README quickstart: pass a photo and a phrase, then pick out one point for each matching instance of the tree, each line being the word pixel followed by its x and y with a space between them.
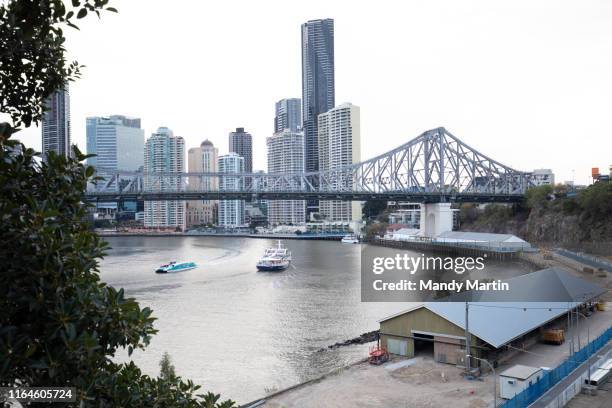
pixel 596 200
pixel 537 196
pixel 32 61
pixel 166 368
pixel 373 208
pixel 375 229
pixel 59 324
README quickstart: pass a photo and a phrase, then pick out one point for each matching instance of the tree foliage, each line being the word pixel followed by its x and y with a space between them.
pixel 32 55
pixel 59 324
pixel 596 200
pixel 166 368
pixel 537 196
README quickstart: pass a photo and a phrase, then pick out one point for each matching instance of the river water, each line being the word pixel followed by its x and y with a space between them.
pixel 243 333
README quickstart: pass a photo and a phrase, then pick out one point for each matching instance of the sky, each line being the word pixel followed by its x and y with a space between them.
pixel 528 83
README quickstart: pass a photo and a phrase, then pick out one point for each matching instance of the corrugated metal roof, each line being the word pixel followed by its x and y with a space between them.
pixel 479 236
pixel 498 322
pixel 546 285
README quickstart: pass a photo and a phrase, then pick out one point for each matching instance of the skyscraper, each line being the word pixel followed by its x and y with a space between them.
pixel 231 212
pixel 288 115
pixel 318 86
pixel 339 146
pixel 286 155
pixel 56 124
pixel 117 141
pixel 241 143
pixel 164 152
pixel 202 159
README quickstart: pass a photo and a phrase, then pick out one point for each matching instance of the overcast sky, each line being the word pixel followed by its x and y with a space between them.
pixel 528 83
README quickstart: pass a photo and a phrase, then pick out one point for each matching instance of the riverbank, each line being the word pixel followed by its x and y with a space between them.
pixel 316 237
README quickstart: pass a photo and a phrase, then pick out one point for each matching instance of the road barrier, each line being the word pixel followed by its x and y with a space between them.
pixel 551 378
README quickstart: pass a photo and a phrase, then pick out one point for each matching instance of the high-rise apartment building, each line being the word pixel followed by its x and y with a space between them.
pixel 56 124
pixel 288 115
pixel 202 159
pixel 164 153
pixel 318 86
pixel 231 212
pixel 241 143
pixel 286 155
pixel 339 146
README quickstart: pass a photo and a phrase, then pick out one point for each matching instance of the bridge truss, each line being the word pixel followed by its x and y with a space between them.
pixel 433 167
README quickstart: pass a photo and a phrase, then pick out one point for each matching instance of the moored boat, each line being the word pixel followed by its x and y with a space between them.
pixel 175 267
pixel 350 239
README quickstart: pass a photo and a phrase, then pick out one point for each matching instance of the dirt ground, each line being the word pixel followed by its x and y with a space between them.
pixel 425 384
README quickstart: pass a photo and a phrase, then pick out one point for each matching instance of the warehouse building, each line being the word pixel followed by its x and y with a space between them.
pixel 438 328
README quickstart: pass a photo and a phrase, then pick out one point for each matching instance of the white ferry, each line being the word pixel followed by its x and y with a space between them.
pixel 275 259
pixel 176 267
pixel 350 239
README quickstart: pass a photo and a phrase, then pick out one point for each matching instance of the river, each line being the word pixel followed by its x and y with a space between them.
pixel 243 333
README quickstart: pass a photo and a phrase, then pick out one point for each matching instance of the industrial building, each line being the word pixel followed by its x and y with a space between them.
pixel 438 328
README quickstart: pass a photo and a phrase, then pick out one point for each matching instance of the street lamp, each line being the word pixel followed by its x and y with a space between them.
pixel 588 343
pixel 468 356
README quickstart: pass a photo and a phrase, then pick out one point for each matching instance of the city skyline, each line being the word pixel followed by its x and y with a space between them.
pixel 398 82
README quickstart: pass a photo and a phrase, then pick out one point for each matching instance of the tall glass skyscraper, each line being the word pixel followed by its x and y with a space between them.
pixel 117 141
pixel 318 86
pixel 56 124
pixel 288 115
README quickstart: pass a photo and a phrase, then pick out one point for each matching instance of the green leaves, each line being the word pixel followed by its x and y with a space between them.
pixel 59 324
pixel 32 55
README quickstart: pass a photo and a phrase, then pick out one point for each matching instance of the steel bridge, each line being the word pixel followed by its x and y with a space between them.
pixel 431 168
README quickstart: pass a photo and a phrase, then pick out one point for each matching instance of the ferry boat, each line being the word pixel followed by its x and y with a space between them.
pixel 350 239
pixel 275 259
pixel 176 267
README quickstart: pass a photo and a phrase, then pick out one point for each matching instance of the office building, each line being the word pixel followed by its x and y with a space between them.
pixel 164 153
pixel 288 115
pixel 286 155
pixel 340 146
pixel 202 159
pixel 231 212
pixel 56 124
pixel 118 144
pixel 241 143
pixel 318 87
pixel 117 141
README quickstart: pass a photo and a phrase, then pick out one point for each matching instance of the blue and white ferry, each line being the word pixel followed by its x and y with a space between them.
pixel 275 259
pixel 176 267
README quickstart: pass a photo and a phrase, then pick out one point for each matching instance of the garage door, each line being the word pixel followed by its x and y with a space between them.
pixel 395 346
pixel 448 350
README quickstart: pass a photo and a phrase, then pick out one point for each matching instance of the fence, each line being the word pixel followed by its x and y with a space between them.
pixel 551 378
pixel 586 259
